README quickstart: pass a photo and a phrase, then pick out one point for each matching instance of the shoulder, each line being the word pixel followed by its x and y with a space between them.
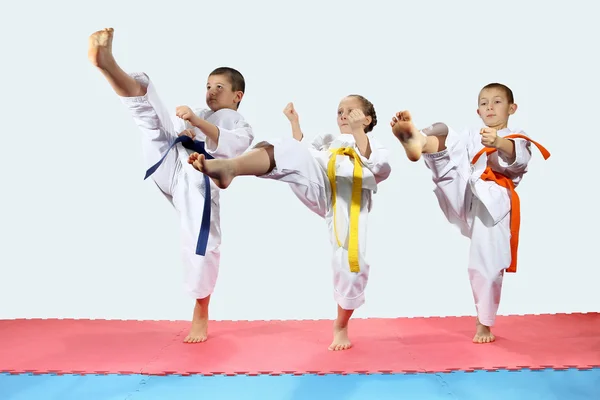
pixel 202 112
pixel 513 131
pixel 227 117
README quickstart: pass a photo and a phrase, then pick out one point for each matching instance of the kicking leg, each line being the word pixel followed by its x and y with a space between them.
pixel 100 55
pixel 146 108
pixel 415 142
pixel 258 161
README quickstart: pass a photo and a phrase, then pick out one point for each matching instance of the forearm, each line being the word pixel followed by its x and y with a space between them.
pixel 362 142
pixel 507 147
pixel 296 131
pixel 210 130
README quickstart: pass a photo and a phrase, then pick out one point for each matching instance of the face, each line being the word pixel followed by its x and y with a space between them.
pixel 219 93
pixel 346 106
pixel 494 108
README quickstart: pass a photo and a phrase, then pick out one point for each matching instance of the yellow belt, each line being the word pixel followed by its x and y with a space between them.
pixel 354 204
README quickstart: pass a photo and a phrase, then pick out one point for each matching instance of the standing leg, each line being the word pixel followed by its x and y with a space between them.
pixel 341 340
pixel 349 287
pixel 489 255
pixel 201 272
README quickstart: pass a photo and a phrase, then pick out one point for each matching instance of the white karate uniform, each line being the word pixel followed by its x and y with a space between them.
pixel 180 182
pixel 481 209
pixel 304 168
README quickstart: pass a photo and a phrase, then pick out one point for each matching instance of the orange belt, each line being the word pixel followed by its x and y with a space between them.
pixel 515 205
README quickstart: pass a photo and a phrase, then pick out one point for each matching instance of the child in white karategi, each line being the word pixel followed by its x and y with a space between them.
pixel 335 177
pixel 475 173
pixel 168 139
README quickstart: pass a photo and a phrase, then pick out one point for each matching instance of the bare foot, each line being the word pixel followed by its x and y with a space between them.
pixel 220 171
pixel 410 137
pixel 199 330
pixel 100 48
pixel 484 334
pixel 340 339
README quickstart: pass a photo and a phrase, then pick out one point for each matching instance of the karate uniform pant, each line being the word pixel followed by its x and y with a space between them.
pixel 489 253
pixel 181 184
pixel 305 170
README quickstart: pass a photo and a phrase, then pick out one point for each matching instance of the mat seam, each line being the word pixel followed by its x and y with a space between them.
pixel 439 378
pixel 137 389
pixel 160 352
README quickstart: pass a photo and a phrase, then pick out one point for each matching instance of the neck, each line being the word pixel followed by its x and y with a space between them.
pixel 500 126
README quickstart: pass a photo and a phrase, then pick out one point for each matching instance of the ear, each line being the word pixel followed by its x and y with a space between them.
pixel 238 96
pixel 512 109
pixel 478 113
pixel 369 119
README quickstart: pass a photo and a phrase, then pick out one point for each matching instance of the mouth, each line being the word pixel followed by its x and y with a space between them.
pixel 490 115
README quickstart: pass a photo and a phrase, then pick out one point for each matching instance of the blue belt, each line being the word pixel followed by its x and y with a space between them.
pixel 198 147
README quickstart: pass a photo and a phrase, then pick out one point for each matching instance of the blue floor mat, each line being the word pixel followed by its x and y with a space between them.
pixel 500 385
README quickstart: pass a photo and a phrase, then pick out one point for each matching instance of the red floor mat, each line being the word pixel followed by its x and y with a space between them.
pixel 277 347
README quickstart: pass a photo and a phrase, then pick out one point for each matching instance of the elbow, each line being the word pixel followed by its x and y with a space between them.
pixel 382 172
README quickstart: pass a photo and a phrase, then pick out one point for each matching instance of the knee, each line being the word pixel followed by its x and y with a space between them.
pixel 484 278
pixel 263 145
pixel 437 129
pixel 270 149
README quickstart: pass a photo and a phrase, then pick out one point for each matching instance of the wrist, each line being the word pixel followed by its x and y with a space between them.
pixel 196 121
pixel 498 142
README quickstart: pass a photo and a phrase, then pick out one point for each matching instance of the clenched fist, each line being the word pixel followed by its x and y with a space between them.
pixel 357 119
pixel 186 114
pixel 290 112
pixel 489 137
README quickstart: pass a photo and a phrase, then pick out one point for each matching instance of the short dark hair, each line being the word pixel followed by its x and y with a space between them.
pixel 506 89
pixel 238 83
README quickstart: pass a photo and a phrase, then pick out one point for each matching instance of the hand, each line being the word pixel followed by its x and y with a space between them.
pixel 189 133
pixel 186 114
pixel 489 137
pixel 290 113
pixel 357 120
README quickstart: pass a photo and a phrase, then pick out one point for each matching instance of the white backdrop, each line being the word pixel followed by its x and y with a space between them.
pixel 84 236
